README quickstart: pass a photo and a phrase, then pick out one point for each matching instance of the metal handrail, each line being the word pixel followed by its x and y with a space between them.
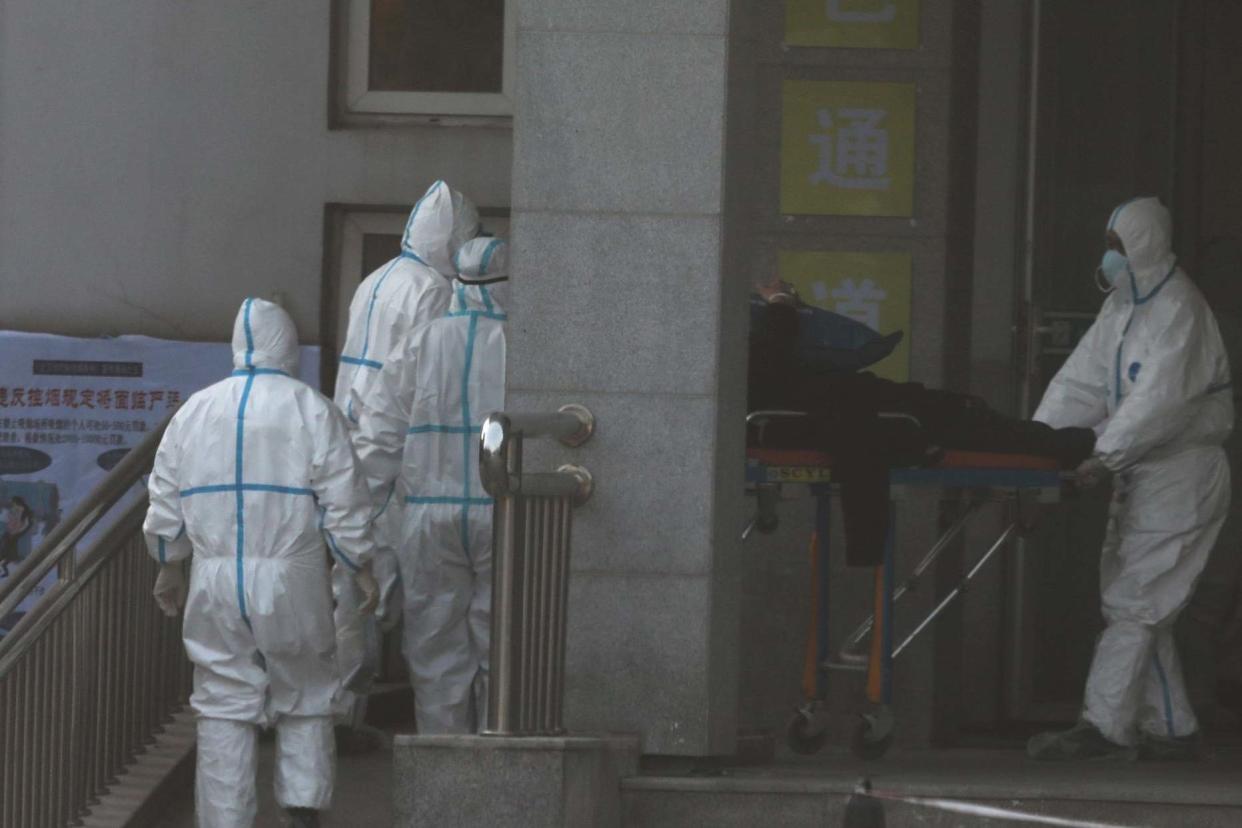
pixel 69 532
pixel 532 519
pixel 93 672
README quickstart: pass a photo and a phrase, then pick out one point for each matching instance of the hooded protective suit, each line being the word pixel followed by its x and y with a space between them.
pixel 1152 378
pixel 405 293
pixel 255 481
pixel 446 547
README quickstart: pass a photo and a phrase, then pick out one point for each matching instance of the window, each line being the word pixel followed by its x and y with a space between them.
pixel 422 59
pixel 360 239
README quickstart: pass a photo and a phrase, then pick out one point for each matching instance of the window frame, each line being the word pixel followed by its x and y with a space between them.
pixel 355 104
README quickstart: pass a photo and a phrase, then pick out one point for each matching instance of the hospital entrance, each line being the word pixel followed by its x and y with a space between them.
pixel 1175 98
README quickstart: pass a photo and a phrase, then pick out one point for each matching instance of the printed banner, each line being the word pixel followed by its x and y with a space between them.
pixel 872 288
pixel 69 410
pixel 847 149
pixel 856 24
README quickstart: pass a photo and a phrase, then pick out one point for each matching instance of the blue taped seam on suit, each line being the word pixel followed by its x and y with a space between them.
pixel 480 314
pixel 161 550
pixel 365 363
pixel 1142 300
pixel 241 372
pixel 241 497
pixel 1164 689
pixel 384 508
pixel 245 487
pixel 466 441
pixel 336 550
pixel 487 257
pixel 366 332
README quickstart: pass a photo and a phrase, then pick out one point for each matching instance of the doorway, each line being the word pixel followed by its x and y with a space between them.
pixel 1131 99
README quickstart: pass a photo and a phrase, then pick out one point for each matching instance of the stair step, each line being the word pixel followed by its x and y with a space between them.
pixel 141 780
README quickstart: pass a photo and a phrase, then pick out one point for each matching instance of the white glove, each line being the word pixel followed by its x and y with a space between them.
pixel 170 589
pixel 369 588
pixel 1090 472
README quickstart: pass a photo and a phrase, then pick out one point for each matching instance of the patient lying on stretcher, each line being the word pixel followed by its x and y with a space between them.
pixel 787 373
pixel 868 424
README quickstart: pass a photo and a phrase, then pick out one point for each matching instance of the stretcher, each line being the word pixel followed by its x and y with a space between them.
pixel 1022 482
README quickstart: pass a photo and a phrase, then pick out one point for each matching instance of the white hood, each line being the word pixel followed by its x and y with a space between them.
pixel 1146 229
pixel 264 337
pixel 440 223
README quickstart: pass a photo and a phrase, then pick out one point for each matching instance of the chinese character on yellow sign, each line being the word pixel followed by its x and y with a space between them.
pixel 872 288
pixel 847 149
pixel 860 24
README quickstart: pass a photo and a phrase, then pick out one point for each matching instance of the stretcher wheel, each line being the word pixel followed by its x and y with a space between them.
pixel 807 733
pixel 873 735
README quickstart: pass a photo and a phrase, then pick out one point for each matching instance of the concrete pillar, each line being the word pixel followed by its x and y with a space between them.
pixel 618 191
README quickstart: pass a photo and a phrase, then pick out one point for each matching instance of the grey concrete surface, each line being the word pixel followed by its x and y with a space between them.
pixel 618 201
pixel 619 122
pixel 812 792
pixel 707 17
pixel 501 782
pixel 642 438
pixel 618 281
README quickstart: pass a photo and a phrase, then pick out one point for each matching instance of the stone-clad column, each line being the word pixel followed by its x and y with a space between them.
pixel 617 303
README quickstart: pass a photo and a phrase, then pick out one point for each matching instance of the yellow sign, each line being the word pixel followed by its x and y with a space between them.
pixel 872 288
pixel 847 149
pixel 858 24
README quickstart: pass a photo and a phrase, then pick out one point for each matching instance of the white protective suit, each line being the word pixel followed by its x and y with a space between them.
pixel 446 548
pixel 405 293
pixel 255 481
pixel 1152 378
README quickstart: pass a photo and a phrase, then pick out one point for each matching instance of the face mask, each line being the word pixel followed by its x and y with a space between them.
pixel 1111 267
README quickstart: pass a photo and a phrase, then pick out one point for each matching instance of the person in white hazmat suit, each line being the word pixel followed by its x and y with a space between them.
pixel 1152 378
pixel 432 442
pixel 256 483
pixel 405 293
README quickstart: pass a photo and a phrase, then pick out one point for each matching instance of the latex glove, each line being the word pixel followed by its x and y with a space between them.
pixel 1090 472
pixel 170 589
pixel 369 588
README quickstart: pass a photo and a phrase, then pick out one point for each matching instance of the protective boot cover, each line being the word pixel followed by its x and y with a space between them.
pixel 1152 378
pixel 305 762
pixel 224 785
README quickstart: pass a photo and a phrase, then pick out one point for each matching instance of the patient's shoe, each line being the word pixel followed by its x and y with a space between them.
pixel 1082 741
pixel 1170 748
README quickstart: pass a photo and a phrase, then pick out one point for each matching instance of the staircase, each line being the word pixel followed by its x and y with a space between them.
pixel 93 679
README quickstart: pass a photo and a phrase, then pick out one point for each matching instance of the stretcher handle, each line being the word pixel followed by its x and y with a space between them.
pixel 957 590
pixel 847 655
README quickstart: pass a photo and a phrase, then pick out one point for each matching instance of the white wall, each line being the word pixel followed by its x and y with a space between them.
pixel 162 159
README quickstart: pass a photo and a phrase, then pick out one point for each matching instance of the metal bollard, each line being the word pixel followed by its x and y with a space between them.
pixel 531 534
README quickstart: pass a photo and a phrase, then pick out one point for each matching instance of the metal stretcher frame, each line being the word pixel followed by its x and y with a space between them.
pixel 983 477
